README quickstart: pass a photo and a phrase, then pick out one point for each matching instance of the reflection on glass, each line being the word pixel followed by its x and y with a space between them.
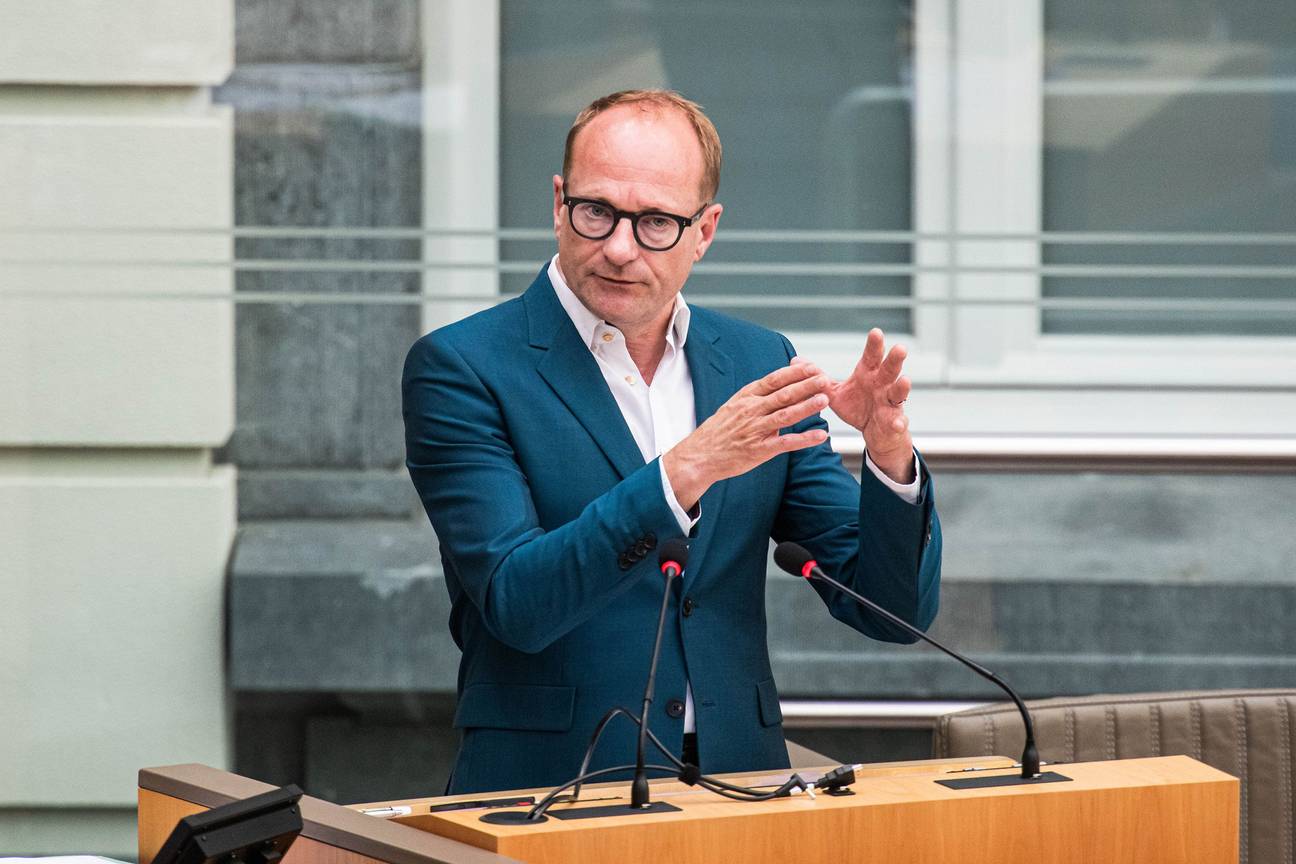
pixel 812 103
pixel 1172 117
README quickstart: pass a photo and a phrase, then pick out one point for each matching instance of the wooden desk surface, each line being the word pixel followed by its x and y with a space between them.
pixel 1146 810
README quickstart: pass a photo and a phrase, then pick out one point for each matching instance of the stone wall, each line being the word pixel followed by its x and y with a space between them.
pixel 117 385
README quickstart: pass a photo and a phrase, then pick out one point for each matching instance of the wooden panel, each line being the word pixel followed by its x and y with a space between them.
pixel 1170 809
pixel 158 815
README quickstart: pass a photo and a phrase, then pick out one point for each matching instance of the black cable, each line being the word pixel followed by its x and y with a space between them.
pixel 544 803
pixel 711 784
pixel 598 733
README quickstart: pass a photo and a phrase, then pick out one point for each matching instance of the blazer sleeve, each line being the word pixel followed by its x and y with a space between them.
pixel 529 585
pixel 865 536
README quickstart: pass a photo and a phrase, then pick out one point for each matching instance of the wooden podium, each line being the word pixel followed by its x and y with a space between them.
pixel 1165 809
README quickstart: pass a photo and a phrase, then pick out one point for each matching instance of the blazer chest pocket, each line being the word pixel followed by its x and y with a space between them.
pixel 534 707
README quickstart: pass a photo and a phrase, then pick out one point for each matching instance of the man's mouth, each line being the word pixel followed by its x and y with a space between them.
pixel 614 280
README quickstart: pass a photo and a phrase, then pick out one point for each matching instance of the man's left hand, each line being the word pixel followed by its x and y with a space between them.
pixel 872 400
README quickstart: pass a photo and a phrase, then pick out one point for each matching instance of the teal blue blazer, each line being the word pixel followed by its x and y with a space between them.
pixel 547 518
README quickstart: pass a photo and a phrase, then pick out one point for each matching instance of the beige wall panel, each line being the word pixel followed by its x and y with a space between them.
pixel 116 372
pixel 112 171
pixel 111 604
pixel 127 41
pixel 110 335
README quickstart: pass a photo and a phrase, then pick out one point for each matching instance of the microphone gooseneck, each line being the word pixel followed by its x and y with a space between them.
pixel 671 558
pixel 794 559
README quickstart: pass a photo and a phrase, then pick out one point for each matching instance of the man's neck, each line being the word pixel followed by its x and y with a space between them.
pixel 647 349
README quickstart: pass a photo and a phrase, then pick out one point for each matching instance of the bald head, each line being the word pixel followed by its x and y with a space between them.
pixel 653 106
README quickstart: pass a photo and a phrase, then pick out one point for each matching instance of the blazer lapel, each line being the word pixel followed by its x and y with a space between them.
pixel 571 370
pixel 713 384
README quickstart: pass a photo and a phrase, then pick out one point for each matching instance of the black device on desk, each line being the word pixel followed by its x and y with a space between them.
pixel 256 830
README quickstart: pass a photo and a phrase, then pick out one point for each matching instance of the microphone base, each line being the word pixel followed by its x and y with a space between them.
pixel 1003 780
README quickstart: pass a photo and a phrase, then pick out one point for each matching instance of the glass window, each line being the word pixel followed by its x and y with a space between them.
pixel 812 102
pixel 1171 117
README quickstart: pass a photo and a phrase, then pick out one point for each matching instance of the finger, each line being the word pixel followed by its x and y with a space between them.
pixel 798 440
pixel 892 365
pixel 797 391
pixel 794 414
pixel 872 356
pixel 780 378
pixel 899 391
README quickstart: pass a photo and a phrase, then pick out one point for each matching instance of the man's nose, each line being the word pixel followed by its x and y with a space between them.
pixel 620 247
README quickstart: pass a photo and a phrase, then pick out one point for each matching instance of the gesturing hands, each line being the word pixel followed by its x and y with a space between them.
pixel 872 400
pixel 745 431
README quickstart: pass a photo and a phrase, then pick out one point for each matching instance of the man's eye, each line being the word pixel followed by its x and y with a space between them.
pixel 657 223
pixel 598 211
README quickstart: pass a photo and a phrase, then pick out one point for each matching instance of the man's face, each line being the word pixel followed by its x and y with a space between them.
pixel 633 157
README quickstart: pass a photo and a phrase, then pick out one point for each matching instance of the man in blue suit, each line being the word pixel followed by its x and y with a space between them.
pixel 556 439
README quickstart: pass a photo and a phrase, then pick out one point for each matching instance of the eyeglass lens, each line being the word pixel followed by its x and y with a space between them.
pixel 596 221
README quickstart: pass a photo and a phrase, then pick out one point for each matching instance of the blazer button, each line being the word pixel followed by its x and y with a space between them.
pixel 675 708
pixel 641 548
pixel 624 562
pixel 650 540
pixel 688 606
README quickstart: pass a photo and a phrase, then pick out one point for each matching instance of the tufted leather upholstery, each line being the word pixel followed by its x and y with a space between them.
pixel 1250 734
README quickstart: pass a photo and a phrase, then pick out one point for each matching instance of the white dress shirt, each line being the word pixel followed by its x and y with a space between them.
pixel 662 414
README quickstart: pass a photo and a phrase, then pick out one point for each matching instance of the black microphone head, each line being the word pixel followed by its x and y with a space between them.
pixel 792 557
pixel 674 549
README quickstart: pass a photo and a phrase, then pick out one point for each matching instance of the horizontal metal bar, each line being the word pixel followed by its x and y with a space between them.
pixel 867 714
pixel 738 235
pixel 1169 86
pixel 772 268
pixel 741 301
pixel 1124 454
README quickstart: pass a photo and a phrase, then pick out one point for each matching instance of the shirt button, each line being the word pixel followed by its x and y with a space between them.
pixel 608 337
pixel 630 380
pixel 675 709
pixel 688 606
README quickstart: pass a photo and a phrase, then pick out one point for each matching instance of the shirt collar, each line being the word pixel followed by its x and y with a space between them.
pixel 589 325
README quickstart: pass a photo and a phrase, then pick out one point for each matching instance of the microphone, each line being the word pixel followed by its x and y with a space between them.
pixel 671 558
pixel 797 561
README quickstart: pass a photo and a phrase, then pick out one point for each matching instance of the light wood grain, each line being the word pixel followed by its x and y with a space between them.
pixel 1169 809
pixel 158 815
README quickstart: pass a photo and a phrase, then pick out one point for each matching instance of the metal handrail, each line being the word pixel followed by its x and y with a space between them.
pixel 868 714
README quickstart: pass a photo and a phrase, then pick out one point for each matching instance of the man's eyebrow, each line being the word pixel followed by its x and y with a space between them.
pixel 655 209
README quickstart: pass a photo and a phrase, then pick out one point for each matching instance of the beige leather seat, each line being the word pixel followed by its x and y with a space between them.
pixel 1250 734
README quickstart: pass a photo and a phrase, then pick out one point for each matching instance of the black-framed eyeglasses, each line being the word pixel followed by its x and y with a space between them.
pixel 654 230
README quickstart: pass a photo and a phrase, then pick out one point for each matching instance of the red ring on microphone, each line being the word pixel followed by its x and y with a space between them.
pixel 668 564
pixel 808 568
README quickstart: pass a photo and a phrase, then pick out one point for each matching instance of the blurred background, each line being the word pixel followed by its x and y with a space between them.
pixel 223 223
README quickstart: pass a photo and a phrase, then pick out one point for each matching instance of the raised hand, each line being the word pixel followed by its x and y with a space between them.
pixel 872 400
pixel 744 432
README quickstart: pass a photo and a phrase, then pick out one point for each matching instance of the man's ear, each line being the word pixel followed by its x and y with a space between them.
pixel 557 202
pixel 707 223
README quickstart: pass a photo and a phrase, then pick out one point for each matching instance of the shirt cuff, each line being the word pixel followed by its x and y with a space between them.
pixel 686 522
pixel 908 492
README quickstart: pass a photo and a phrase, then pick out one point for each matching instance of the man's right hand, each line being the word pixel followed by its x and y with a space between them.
pixel 744 432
